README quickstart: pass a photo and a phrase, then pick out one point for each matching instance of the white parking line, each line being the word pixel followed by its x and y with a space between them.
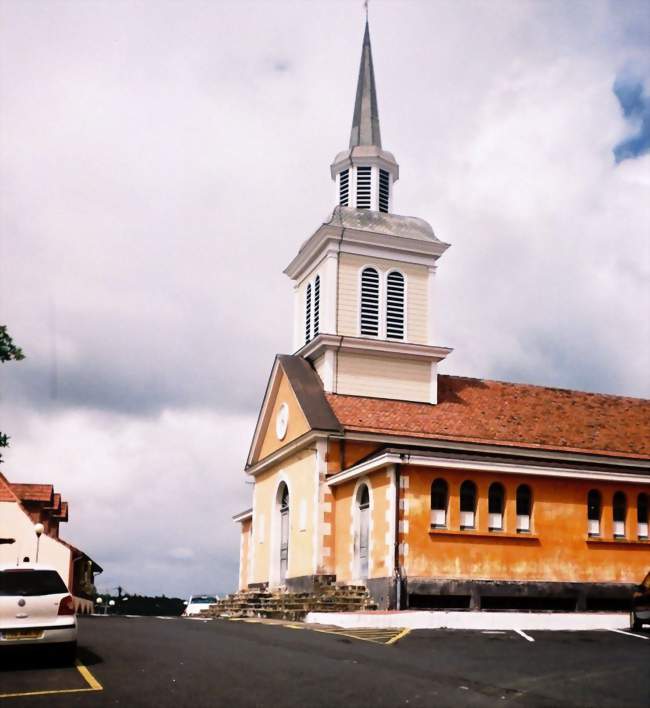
pixel 523 634
pixel 493 631
pixel 628 634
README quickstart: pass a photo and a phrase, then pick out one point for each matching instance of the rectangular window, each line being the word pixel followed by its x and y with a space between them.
pixel 438 518
pixel 344 187
pixel 495 522
pixel 523 523
pixel 467 519
pixel 594 527
pixel 384 183
pixel 363 187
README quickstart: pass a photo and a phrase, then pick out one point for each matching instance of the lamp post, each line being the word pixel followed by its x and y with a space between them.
pixel 38 530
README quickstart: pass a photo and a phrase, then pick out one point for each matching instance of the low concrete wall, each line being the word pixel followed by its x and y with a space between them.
pixel 504 621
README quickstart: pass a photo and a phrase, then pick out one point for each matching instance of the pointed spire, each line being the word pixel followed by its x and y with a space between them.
pixel 365 121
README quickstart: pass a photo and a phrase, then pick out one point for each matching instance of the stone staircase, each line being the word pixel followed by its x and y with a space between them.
pixel 294 606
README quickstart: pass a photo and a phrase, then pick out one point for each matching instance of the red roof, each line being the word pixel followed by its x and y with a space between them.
pixel 6 493
pixel 475 410
pixel 33 492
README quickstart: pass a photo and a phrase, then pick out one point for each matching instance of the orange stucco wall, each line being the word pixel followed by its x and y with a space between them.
pixel 381 489
pixel 557 549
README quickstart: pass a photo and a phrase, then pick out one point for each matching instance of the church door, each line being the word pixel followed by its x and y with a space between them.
pixel 284 534
pixel 364 531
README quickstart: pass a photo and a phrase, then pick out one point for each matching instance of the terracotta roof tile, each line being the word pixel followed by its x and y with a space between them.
pixel 508 414
pixel 33 492
pixel 6 493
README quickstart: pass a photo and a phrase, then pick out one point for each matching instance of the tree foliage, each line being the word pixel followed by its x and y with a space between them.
pixel 8 352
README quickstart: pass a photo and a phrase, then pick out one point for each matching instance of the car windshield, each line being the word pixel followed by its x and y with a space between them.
pixel 203 600
pixel 31 582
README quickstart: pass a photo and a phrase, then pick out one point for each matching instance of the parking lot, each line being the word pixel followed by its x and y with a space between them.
pixel 180 662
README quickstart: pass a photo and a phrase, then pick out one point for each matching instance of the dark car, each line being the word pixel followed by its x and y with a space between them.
pixel 640 613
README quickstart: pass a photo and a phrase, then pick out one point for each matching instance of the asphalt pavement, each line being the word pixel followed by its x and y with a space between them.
pixel 155 662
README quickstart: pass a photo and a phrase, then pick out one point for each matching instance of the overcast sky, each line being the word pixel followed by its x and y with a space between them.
pixel 161 162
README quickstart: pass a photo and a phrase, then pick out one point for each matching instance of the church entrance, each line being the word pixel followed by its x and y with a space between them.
pixel 363 545
pixel 284 532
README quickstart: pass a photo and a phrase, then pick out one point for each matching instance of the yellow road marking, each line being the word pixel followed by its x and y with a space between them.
pixel 90 679
pixel 399 636
pixel 92 682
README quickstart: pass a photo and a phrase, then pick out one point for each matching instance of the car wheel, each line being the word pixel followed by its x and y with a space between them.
pixel 635 624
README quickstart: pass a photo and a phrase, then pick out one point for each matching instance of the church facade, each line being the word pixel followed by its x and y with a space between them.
pixel 432 490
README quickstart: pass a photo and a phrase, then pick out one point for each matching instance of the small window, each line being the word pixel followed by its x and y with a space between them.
pixel 284 499
pixel 642 516
pixel 439 504
pixel 344 187
pixel 395 305
pixel 308 314
pixel 316 305
pixel 619 509
pixel 593 512
pixel 363 187
pixel 496 496
pixel 384 186
pixel 467 505
pixel 523 508
pixel 364 497
pixel 370 302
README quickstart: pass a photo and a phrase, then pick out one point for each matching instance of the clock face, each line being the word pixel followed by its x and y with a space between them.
pixel 282 421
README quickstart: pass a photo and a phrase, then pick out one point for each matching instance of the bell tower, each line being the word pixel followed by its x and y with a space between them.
pixel 364 281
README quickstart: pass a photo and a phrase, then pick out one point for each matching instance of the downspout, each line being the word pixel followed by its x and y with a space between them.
pixel 398 570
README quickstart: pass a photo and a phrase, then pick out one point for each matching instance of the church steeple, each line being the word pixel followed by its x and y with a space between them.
pixel 365 121
pixel 365 173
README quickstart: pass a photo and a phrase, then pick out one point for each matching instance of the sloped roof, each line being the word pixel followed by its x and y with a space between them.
pixel 521 415
pixel 6 492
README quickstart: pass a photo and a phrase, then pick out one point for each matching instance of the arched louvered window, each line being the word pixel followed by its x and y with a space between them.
pixel 593 512
pixel 344 187
pixel 642 516
pixel 363 187
pixel 384 186
pixel 496 498
pixel 308 314
pixel 284 498
pixel 524 504
pixel 395 305
pixel 369 323
pixel 316 328
pixel 439 504
pixel 619 510
pixel 467 505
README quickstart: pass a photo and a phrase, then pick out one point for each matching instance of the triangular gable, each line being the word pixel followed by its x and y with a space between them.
pixel 6 493
pixel 295 384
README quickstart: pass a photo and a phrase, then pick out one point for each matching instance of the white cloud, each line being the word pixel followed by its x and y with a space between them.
pixel 162 162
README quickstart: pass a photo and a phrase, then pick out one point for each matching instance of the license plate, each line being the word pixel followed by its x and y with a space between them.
pixel 23 634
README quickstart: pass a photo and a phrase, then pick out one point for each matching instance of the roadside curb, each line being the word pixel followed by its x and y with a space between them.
pixel 554 621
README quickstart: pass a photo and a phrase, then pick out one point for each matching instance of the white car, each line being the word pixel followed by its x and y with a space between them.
pixel 36 608
pixel 196 603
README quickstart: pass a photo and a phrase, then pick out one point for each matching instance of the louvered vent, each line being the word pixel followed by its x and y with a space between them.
pixel 316 305
pixel 308 315
pixel 344 187
pixel 370 302
pixel 395 306
pixel 363 187
pixel 384 186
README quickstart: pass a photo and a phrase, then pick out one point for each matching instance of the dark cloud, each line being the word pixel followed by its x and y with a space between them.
pixel 635 104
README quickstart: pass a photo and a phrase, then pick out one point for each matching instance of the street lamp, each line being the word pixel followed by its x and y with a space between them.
pixel 38 530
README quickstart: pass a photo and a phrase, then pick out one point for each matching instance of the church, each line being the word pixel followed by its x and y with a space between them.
pixel 371 467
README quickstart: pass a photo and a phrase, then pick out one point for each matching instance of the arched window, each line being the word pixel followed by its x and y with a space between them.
pixel 308 314
pixel 524 503
pixel 395 305
pixel 467 505
pixel 439 504
pixel 619 509
pixel 364 497
pixel 362 541
pixel 642 516
pixel 283 496
pixel 593 512
pixel 316 305
pixel 369 302
pixel 496 497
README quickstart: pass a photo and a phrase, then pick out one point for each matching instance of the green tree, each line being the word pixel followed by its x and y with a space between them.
pixel 8 351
